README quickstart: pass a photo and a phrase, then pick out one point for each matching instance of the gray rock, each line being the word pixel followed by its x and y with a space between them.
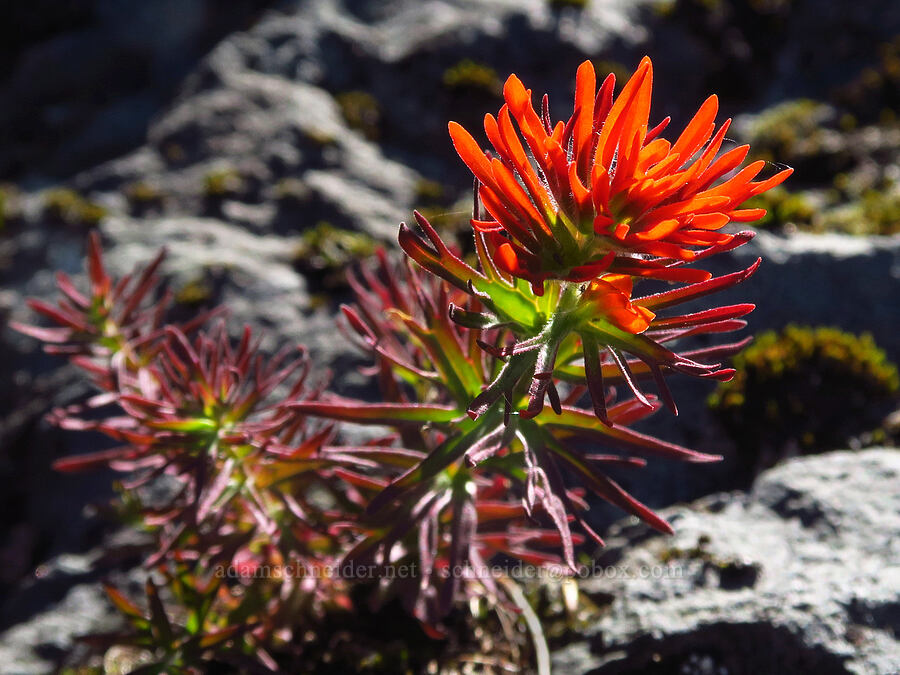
pixel 73 604
pixel 821 279
pixel 399 52
pixel 799 575
pixel 35 646
pixel 88 77
pixel 262 129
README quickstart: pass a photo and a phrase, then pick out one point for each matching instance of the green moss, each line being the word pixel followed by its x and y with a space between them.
pixel 881 211
pixel 857 203
pixel 291 191
pixel 805 389
pixel 10 204
pixel 472 76
pixel 68 206
pixel 194 293
pixel 140 193
pixel 320 138
pixel 222 183
pixel 558 4
pixel 783 208
pixel 664 8
pixel 777 133
pixel 873 94
pixel 325 252
pixel 848 122
pixel 794 208
pixel 143 197
pixel 861 206
pixel 562 606
pixel 428 191
pixel 673 554
pixel 327 245
pixel 361 111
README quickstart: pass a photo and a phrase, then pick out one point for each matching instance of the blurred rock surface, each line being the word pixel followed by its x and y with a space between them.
pixel 799 575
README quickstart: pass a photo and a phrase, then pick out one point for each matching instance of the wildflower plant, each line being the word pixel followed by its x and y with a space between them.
pixel 199 412
pixel 587 236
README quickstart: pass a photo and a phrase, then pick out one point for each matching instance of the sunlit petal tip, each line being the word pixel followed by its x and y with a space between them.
pixel 586 74
pixel 515 94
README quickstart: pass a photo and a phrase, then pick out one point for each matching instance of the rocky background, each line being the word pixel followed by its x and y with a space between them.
pixel 269 144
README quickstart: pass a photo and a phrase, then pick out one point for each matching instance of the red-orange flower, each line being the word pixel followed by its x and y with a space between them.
pixel 610 297
pixel 600 189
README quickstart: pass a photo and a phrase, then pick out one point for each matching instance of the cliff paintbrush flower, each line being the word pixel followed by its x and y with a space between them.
pixel 603 191
pixel 580 211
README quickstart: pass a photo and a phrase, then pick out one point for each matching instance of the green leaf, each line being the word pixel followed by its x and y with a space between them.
pixel 123 604
pixel 213 638
pixel 277 472
pixel 458 373
pixel 199 424
pixel 348 410
pixel 448 452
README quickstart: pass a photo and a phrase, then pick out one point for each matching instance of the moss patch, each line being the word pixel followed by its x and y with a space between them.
pixel 222 183
pixel 362 112
pixel 805 390
pixel 325 252
pixel 469 75
pixel 67 206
